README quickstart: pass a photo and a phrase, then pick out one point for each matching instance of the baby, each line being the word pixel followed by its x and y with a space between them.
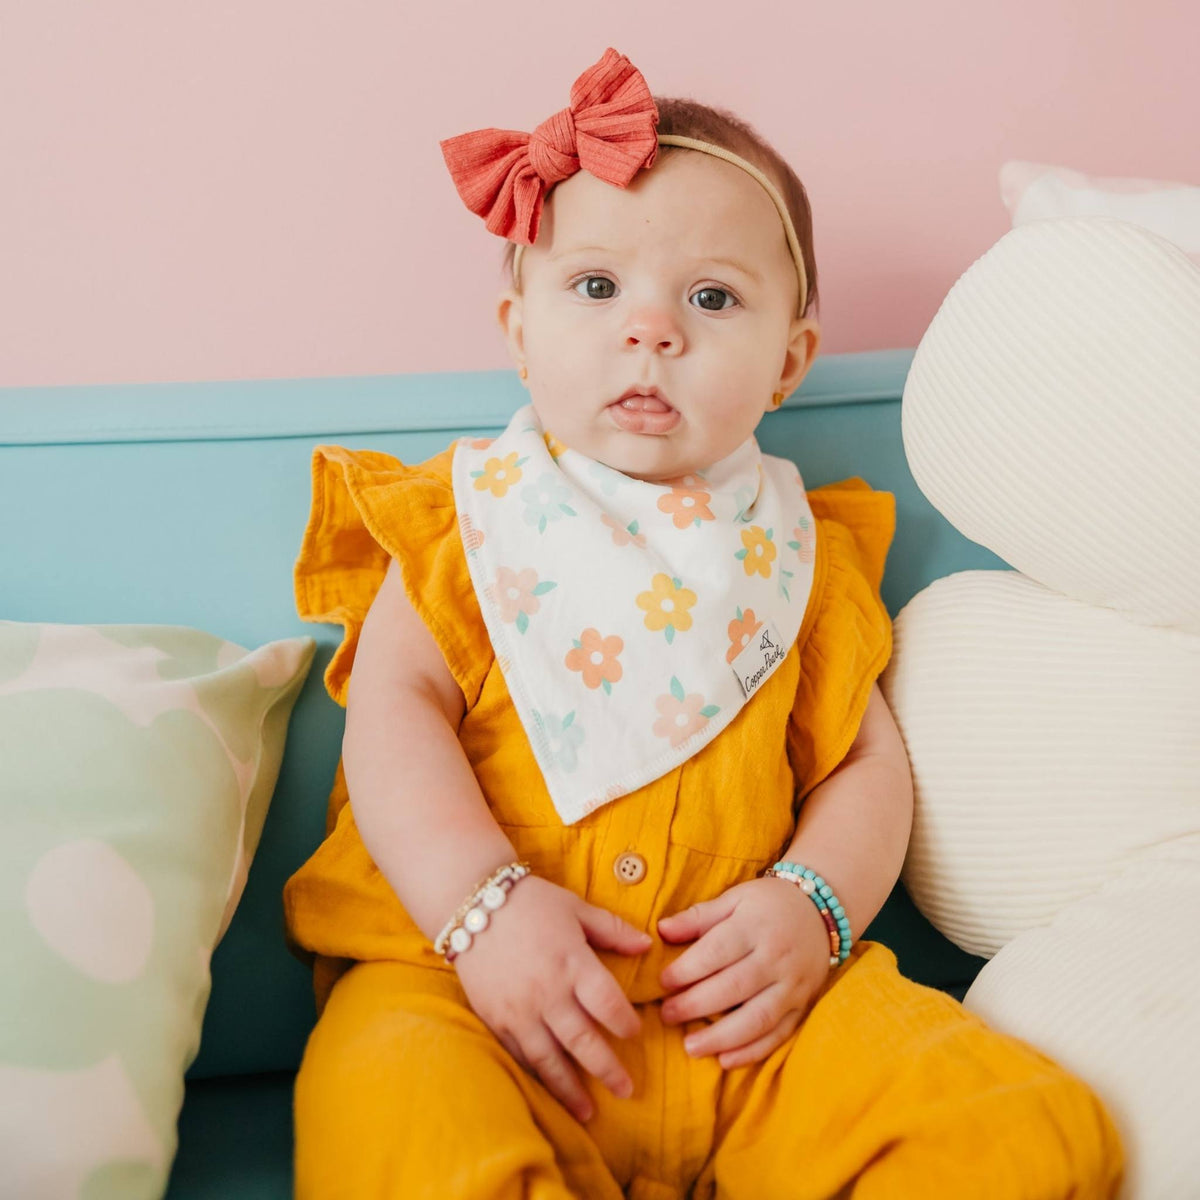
pixel 619 788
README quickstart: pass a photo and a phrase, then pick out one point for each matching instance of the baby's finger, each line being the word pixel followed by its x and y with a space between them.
pixel 601 996
pixel 756 1019
pixel 511 1044
pixel 768 1043
pixel 578 1035
pixel 721 991
pixel 549 1063
pixel 721 946
pixel 689 924
pixel 606 930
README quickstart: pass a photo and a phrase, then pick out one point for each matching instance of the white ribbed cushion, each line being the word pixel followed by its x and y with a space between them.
pixel 1038 192
pixel 1052 718
pixel 1052 414
pixel 1109 990
pixel 1053 745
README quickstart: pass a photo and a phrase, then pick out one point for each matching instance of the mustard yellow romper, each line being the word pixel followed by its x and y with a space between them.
pixel 887 1088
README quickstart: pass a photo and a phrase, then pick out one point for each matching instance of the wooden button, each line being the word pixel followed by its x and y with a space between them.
pixel 629 867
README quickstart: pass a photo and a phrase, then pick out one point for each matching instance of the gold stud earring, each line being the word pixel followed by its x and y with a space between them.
pixel 524 372
pixel 776 399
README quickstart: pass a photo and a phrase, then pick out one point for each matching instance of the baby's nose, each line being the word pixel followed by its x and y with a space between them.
pixel 655 328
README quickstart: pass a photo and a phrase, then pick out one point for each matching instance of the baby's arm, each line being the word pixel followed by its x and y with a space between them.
pixel 854 826
pixel 531 975
pixel 415 799
pixel 763 951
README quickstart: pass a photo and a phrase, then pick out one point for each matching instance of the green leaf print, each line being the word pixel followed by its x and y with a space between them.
pixel 676 689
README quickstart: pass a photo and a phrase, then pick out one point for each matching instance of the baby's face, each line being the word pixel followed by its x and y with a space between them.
pixel 681 282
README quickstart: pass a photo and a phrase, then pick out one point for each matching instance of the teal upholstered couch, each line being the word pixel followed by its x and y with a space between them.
pixel 184 504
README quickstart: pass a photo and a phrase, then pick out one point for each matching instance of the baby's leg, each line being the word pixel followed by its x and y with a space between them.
pixel 404 1092
pixel 890 1089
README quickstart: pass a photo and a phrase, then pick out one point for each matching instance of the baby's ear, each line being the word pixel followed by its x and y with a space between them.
pixel 804 340
pixel 510 314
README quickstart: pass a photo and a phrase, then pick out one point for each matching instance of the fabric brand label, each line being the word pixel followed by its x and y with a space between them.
pixel 763 653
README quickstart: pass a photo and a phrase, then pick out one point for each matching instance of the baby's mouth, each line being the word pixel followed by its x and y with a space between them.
pixel 641 403
pixel 640 413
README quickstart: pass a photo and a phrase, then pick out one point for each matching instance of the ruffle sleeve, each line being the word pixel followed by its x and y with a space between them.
pixel 850 639
pixel 367 508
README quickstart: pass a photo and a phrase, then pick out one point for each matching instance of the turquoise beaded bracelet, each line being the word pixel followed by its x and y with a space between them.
pixel 821 894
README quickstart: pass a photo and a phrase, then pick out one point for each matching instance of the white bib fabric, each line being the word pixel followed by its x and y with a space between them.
pixel 631 620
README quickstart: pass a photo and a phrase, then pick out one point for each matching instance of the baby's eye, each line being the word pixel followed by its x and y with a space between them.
pixel 596 285
pixel 713 299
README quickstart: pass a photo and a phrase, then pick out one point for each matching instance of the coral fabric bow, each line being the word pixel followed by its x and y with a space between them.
pixel 608 129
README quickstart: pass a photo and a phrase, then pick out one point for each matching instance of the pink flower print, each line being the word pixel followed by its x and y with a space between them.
pixel 623 535
pixel 740 631
pixel 472 538
pixel 804 540
pixel 515 595
pixel 480 443
pixel 687 501
pixel 596 658
pixel 680 715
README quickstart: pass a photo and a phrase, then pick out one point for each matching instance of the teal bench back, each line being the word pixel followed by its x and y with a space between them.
pixel 185 503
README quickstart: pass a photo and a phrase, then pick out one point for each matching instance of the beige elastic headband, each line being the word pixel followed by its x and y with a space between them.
pixel 673 139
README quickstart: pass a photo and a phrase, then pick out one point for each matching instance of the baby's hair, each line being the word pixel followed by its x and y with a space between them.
pixel 690 118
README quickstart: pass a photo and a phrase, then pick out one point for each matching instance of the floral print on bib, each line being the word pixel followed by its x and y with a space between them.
pixel 631 620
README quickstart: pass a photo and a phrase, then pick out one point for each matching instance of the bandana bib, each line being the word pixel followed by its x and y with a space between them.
pixel 631 620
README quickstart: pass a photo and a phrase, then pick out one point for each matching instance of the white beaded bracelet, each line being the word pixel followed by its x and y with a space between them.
pixel 473 915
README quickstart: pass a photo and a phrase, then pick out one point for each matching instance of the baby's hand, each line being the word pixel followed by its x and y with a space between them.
pixel 533 979
pixel 764 947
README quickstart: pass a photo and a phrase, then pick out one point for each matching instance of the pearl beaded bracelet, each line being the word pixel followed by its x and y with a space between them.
pixel 828 905
pixel 474 914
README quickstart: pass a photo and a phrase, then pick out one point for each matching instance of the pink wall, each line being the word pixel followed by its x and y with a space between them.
pixel 253 188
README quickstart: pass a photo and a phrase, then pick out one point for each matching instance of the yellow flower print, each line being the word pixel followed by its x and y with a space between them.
pixel 555 447
pixel 759 551
pixel 666 604
pixel 498 475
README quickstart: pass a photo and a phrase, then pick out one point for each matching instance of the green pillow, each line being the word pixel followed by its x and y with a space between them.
pixel 136 766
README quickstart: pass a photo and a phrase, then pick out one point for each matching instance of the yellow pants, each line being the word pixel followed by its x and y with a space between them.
pixel 887 1089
